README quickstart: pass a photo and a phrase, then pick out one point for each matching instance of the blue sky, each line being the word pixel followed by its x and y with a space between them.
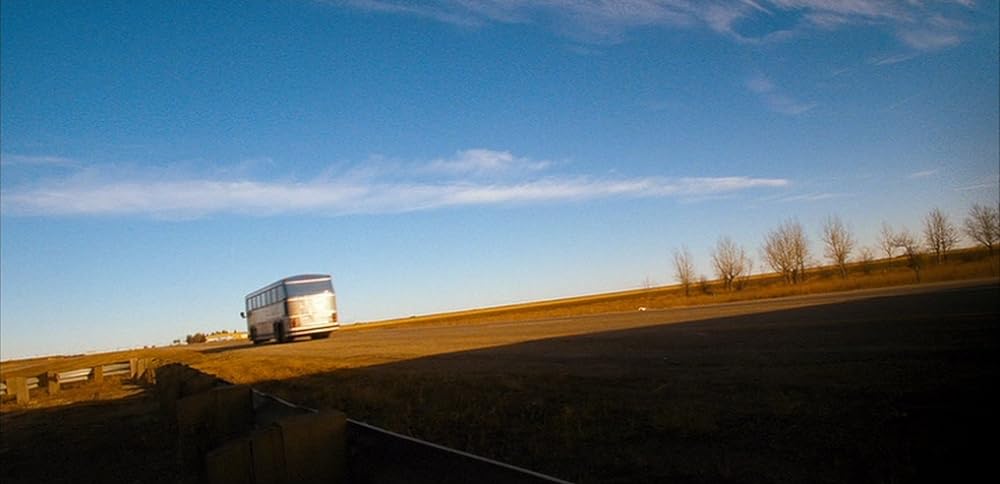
pixel 162 159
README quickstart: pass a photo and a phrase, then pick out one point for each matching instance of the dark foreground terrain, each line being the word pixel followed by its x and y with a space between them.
pixel 109 434
pixel 891 385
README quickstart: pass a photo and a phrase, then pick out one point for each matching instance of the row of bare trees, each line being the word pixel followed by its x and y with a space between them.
pixel 786 248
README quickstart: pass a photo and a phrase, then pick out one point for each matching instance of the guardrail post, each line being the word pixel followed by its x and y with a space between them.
pixel 18 385
pixel 52 382
pixel 142 365
pixel 97 374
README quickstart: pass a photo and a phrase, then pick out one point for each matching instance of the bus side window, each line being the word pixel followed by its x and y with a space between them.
pixel 281 292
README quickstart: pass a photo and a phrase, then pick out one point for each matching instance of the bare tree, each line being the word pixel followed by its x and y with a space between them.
pixel 867 259
pixel 741 282
pixel 908 243
pixel 786 250
pixel 839 243
pixel 684 269
pixel 704 285
pixel 940 234
pixel 983 225
pixel 887 240
pixel 730 261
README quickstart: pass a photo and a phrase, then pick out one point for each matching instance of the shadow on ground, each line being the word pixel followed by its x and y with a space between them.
pixel 885 389
pixel 109 440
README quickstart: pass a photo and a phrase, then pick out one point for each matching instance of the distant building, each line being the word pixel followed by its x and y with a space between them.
pixel 217 337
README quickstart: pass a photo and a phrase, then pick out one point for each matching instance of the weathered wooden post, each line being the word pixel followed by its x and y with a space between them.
pixel 18 385
pixel 52 382
pixel 97 374
pixel 133 368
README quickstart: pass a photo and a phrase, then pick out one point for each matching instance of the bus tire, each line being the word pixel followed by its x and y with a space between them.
pixel 279 333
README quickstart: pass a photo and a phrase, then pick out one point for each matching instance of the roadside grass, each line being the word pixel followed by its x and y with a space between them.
pixel 741 411
pixel 960 264
pixel 739 408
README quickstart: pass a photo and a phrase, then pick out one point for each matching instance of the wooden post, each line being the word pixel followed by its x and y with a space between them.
pixel 18 385
pixel 97 374
pixel 52 382
pixel 133 368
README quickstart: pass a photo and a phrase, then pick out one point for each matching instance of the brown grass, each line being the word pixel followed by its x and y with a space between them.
pixel 961 264
pixel 627 396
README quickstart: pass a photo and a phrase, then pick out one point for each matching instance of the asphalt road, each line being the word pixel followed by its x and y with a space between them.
pixel 361 346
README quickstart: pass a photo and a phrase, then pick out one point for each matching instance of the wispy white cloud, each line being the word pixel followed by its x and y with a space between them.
pixel 893 59
pixel 927 40
pixel 24 160
pixel 775 99
pixel 485 161
pixel 811 197
pixel 990 182
pixel 93 192
pixel 922 174
pixel 916 24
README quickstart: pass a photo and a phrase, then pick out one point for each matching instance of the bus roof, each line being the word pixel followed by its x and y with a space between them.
pixel 291 279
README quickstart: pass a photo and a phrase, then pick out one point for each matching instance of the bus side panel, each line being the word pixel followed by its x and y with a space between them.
pixel 263 319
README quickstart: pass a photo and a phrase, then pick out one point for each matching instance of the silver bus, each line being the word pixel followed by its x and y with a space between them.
pixel 302 305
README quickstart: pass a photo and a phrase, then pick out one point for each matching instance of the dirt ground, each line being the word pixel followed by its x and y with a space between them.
pixel 888 385
pixel 106 433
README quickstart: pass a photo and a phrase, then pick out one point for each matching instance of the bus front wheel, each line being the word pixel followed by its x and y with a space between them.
pixel 279 333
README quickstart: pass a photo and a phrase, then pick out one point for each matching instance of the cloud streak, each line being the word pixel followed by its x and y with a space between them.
pixel 23 160
pixel 775 99
pixel 193 197
pixel 915 24
pixel 922 174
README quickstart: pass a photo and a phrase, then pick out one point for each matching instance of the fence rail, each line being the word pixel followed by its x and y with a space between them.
pixel 73 376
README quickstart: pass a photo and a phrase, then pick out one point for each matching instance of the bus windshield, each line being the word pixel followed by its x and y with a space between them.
pixel 305 288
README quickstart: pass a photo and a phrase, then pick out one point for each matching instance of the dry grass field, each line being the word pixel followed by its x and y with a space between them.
pixel 863 385
pixel 875 386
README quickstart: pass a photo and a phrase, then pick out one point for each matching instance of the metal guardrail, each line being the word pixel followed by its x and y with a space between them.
pixel 78 375
pixel 32 384
pixel 117 369
pixel 73 376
